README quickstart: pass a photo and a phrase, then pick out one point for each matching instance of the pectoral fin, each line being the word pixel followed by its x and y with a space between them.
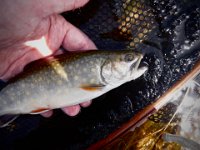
pixel 92 87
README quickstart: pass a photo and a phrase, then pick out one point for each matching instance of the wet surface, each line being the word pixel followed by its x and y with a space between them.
pixel 179 116
pixel 167 31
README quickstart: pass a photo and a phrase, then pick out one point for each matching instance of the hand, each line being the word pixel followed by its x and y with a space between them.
pixel 33 29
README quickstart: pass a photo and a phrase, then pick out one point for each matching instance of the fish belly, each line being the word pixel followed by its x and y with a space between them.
pixel 51 100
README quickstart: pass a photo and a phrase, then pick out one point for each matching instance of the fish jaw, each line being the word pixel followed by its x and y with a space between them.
pixel 132 76
pixel 137 73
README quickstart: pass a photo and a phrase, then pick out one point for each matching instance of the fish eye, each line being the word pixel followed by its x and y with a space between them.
pixel 129 58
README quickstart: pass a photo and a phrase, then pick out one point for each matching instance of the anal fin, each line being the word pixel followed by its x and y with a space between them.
pixel 39 110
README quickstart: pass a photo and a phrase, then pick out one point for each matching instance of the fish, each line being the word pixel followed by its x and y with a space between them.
pixel 193 145
pixel 69 79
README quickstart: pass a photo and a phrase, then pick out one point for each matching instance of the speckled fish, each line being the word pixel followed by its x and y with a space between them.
pixel 68 79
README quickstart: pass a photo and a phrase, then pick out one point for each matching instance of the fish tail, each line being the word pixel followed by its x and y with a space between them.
pixel 5 120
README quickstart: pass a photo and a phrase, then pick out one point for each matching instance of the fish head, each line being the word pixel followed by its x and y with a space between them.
pixel 122 67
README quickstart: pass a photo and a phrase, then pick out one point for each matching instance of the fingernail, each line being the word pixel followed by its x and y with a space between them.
pixel 72 110
pixel 86 104
pixel 47 114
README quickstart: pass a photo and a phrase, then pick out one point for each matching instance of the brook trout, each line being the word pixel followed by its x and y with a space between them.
pixel 68 79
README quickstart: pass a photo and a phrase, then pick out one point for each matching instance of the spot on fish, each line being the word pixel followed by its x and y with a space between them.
pixel 23 85
pixel 76 78
pixel 82 62
pixel 93 70
pixel 77 65
pixel 27 93
pixel 32 85
pixel 39 79
pixel 92 81
pixel 52 72
pixel 84 70
pixel 59 82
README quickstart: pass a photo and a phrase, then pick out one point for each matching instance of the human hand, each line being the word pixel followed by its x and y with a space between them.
pixel 33 29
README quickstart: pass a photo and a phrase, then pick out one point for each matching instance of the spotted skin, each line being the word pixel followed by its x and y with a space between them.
pixel 64 81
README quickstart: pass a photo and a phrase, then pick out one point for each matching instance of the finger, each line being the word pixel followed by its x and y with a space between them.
pixel 47 114
pixel 63 5
pixel 75 39
pixel 72 110
pixel 86 104
pixel 63 33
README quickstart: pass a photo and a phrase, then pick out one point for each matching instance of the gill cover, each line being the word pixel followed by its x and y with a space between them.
pixel 120 66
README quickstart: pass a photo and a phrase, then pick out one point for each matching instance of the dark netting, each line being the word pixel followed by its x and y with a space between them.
pixel 168 31
pixel 115 24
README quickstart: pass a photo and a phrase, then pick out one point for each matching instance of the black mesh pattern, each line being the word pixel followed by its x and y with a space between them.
pixel 115 24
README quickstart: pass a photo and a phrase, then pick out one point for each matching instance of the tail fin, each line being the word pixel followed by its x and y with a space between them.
pixel 7 119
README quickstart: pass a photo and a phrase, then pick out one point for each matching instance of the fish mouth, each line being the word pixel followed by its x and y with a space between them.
pixel 136 66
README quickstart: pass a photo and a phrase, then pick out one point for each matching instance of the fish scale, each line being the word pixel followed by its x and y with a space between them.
pixel 68 79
